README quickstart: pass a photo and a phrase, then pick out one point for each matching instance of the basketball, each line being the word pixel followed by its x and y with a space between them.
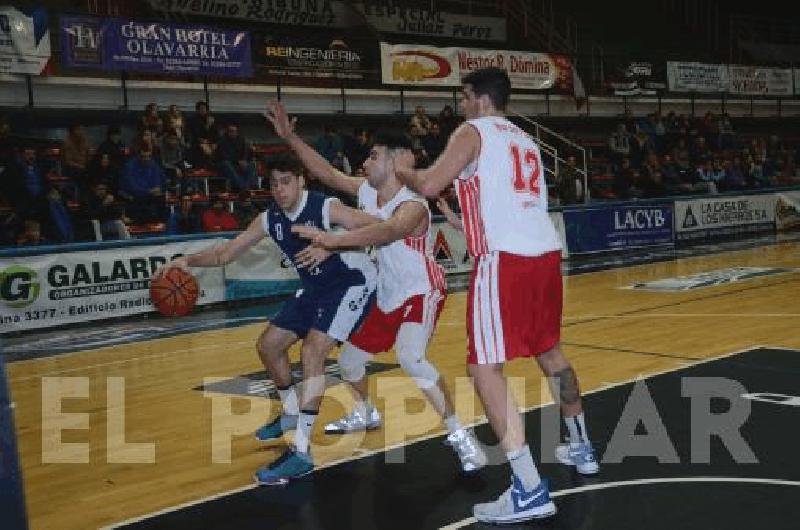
pixel 174 293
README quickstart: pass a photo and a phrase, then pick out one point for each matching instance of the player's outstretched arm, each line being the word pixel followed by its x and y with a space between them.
pixel 312 160
pixel 462 148
pixel 220 254
pixel 406 219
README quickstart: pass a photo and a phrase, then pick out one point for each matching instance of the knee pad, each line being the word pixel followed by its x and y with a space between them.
pixel 417 366
pixel 352 363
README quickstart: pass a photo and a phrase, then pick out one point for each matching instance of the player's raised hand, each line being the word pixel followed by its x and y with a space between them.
pixel 318 238
pixel 311 256
pixel 277 115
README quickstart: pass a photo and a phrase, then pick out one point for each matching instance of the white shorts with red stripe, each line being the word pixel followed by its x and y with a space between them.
pixel 514 306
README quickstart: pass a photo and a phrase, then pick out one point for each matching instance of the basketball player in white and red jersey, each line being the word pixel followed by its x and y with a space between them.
pixel 411 285
pixel 515 295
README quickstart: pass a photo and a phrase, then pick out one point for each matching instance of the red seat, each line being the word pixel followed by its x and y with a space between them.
pixel 147 228
pixel 201 173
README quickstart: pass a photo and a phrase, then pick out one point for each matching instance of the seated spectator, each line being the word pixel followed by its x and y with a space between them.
pixel 146 141
pixel 619 145
pixel 641 147
pixel 357 147
pixel 671 176
pixel 204 155
pixel 433 142
pixel 569 182
pixel 681 155
pixel 448 121
pixel 174 121
pixel 651 184
pixel 699 152
pixel 201 125
pixel 420 120
pixel 234 160
pixel 101 170
pixel 329 143
pixel 75 152
pixel 100 207
pixel 707 178
pixel 8 147
pixel 59 227
pixel 727 138
pixel 26 183
pixel 623 179
pixel 151 121
pixel 142 184
pixel 113 147
pixel 217 218
pixel 31 234
pixel 246 210
pixel 734 176
pixel 173 158
pixel 184 220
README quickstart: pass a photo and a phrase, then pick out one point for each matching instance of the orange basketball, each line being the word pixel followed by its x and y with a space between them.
pixel 174 293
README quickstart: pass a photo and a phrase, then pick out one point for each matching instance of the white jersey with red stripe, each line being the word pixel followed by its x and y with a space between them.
pixel 406 267
pixel 503 195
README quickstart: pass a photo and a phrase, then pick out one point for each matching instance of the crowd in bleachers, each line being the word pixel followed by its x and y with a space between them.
pixel 673 155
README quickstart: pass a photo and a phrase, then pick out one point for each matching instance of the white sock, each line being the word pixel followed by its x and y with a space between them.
pixel 452 423
pixel 577 429
pixel 523 467
pixel 289 400
pixel 305 424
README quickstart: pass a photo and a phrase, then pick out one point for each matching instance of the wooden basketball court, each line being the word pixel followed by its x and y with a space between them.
pixel 149 392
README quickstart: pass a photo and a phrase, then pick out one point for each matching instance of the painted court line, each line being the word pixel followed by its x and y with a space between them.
pixel 640 482
pixel 368 453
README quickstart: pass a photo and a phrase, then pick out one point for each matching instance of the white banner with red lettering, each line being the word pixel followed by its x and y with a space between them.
pixel 417 64
pixel 760 81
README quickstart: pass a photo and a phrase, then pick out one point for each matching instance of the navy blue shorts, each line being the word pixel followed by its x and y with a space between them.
pixel 336 311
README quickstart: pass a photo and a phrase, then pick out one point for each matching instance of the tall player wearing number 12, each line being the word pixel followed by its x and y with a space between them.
pixel 515 295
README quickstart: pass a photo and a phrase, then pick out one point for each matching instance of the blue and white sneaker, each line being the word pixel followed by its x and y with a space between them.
pixel 516 505
pixel 275 429
pixel 290 465
pixel 579 455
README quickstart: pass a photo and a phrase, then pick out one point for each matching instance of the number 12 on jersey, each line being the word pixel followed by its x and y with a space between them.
pixel 527 170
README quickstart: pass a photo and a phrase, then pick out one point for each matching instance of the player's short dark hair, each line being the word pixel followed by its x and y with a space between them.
pixel 392 140
pixel 492 82
pixel 286 163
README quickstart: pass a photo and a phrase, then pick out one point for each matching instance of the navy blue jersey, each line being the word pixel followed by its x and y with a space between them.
pixel 348 268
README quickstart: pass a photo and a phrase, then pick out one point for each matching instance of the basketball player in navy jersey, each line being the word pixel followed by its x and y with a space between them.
pixel 338 291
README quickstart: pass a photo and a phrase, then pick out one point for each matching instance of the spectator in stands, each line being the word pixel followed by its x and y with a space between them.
pixel 204 154
pixel 671 176
pixel 174 121
pixel 75 152
pixel 142 185
pixel 641 147
pixel 184 220
pixel 710 130
pixel 113 147
pixel 651 184
pixel 59 227
pixel 234 159
pixel 699 153
pixel 707 178
pixel 433 142
pixel 31 234
pixel 25 182
pixel 173 158
pixel 357 147
pixel 246 210
pixel 329 143
pixel 420 120
pixel 623 179
pixel 8 151
pixel 727 136
pixel 101 207
pixel 569 182
pixel 201 125
pixel 101 170
pixel 151 121
pixel 734 176
pixel 341 162
pixel 217 218
pixel 145 141
pixel 680 155
pixel 619 145
pixel 448 121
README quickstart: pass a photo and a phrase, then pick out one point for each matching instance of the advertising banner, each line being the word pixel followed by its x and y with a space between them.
pixel 760 81
pixel 122 44
pixel 637 78
pixel 279 52
pixel 700 218
pixel 56 289
pixel 410 64
pixel 24 41
pixel 697 77
pixel 327 13
pixel 618 227
pixel 393 18
pixel 787 210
